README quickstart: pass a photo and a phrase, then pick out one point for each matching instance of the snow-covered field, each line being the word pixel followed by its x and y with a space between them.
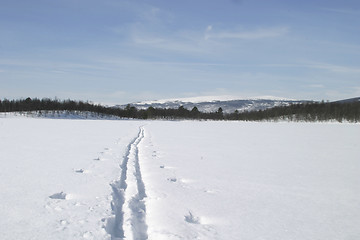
pixel 102 179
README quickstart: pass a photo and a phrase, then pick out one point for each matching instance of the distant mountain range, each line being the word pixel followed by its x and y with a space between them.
pixel 211 104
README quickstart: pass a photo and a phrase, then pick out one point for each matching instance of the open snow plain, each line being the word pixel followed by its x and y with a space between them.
pixel 101 179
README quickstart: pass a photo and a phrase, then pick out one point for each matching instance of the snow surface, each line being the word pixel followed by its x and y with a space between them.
pixel 97 179
pixel 41 158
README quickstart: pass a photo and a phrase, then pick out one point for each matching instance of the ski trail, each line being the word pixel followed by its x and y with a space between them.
pixel 137 204
pixel 128 197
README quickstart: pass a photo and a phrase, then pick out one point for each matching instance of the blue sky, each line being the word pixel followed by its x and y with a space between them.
pixel 120 51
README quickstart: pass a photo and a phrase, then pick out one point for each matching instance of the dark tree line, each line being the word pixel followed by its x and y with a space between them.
pixel 312 111
pixel 46 104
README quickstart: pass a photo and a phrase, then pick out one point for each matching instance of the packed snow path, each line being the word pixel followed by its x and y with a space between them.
pixel 128 197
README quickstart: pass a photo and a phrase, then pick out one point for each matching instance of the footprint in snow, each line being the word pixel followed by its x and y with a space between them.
pixel 64 222
pixel 172 179
pixel 60 195
pixel 190 218
pixel 106 151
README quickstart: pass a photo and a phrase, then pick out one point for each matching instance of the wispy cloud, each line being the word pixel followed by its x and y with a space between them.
pixel 343 11
pixel 148 40
pixel 316 86
pixel 261 33
pixel 313 65
pixel 334 68
pixel 169 43
pixel 154 15
pixel 189 42
pixel 198 42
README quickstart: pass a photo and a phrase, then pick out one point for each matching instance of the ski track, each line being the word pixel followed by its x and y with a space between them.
pixel 128 196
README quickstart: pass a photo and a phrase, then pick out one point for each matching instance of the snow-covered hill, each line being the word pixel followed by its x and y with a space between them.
pixel 349 100
pixel 212 103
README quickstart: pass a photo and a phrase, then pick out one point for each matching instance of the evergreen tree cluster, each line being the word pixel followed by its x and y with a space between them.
pixel 47 105
pixel 312 111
